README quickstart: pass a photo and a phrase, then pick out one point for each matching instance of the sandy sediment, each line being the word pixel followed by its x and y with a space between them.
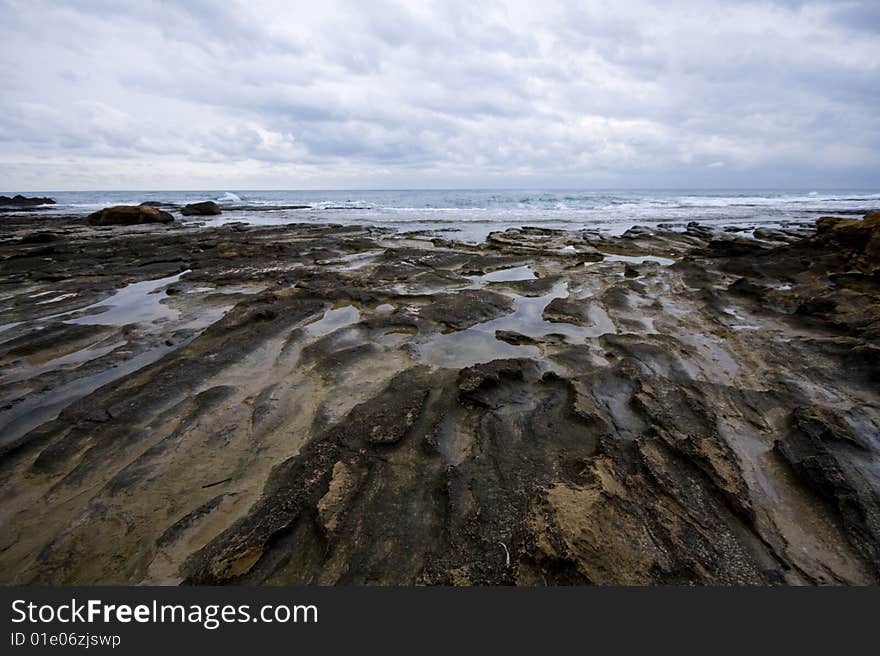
pixel 341 405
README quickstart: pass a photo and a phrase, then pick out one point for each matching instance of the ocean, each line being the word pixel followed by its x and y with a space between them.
pixel 469 215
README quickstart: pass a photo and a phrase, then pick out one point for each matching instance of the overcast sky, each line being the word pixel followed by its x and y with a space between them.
pixel 107 94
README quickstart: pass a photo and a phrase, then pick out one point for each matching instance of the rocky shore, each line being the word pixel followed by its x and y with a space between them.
pixel 340 405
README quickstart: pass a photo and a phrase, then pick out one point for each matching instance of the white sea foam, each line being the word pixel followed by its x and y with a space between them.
pixel 471 214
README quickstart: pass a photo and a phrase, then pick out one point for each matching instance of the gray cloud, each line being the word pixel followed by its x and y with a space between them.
pixel 101 94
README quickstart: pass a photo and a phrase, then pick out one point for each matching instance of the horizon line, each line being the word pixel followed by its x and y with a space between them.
pixel 381 189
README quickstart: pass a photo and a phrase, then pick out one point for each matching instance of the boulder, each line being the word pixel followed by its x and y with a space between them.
pixel 22 201
pixel 128 215
pixel 206 208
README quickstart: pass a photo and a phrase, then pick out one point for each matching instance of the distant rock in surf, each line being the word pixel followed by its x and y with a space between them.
pixel 22 201
pixel 128 215
pixel 159 204
pixel 206 208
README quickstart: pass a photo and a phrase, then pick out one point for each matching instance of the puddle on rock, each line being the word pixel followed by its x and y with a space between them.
pixel 478 343
pixel 37 409
pixel 32 370
pixel 139 302
pixel 634 259
pixel 353 261
pixel 469 347
pixel 506 275
pixel 333 320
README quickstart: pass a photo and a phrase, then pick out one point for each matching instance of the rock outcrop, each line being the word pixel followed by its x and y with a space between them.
pixel 341 405
pixel 858 237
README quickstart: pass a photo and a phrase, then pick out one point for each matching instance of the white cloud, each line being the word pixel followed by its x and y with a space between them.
pixel 241 94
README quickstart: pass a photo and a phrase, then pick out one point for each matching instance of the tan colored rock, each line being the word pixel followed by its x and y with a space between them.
pixel 857 234
pixel 128 215
pixel 343 482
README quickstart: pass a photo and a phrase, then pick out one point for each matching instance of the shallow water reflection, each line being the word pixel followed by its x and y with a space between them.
pixel 139 302
pixel 479 343
pixel 507 275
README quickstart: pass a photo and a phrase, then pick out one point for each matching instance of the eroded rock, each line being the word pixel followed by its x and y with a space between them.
pixel 709 421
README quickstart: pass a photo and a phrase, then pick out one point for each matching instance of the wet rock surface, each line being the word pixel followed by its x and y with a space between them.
pixel 333 404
